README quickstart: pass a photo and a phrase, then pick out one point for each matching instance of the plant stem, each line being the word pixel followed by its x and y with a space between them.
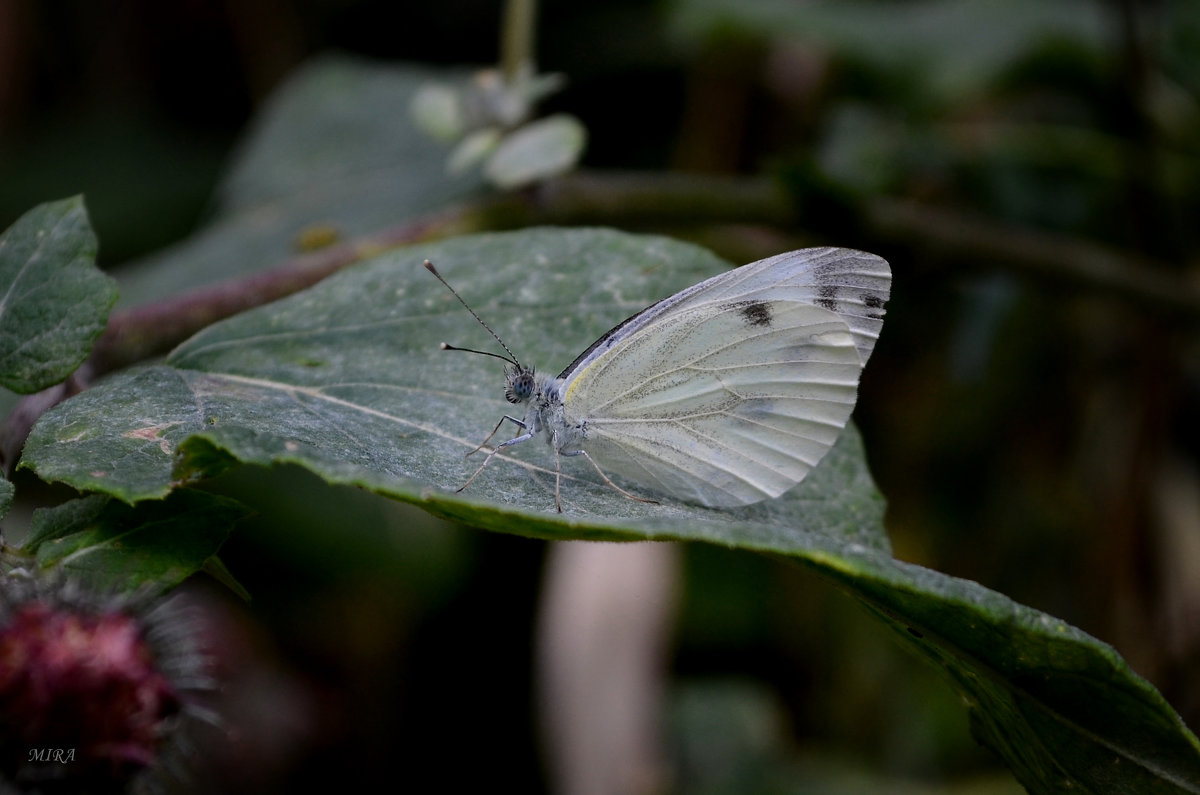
pixel 517 39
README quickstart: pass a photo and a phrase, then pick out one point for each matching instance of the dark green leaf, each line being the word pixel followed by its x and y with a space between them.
pixel 6 496
pixel 111 544
pixel 1061 708
pixel 55 302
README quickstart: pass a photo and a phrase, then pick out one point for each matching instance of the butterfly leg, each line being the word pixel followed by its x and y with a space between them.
pixel 515 440
pixel 557 479
pixel 483 444
pixel 600 472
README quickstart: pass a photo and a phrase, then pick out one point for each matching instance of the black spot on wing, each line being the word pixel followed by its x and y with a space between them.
pixel 827 297
pixel 756 313
pixel 874 301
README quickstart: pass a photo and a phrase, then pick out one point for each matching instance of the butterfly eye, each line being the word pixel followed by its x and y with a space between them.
pixel 519 387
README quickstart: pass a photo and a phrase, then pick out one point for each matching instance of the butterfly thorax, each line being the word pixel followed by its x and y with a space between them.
pixel 543 394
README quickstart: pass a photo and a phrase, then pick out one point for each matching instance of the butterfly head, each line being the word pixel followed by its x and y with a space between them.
pixel 518 383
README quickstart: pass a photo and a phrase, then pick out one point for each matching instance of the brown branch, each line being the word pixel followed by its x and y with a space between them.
pixel 136 334
pixel 1080 264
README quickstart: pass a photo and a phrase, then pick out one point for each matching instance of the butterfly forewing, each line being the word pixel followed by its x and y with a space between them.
pixel 852 284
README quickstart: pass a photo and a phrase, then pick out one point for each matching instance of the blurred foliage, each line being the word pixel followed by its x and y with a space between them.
pixel 1037 435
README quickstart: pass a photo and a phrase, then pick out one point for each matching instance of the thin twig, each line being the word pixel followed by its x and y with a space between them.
pixel 970 241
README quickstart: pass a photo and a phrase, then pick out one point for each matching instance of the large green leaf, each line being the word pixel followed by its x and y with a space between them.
pixel 112 545
pixel 55 302
pixel 347 380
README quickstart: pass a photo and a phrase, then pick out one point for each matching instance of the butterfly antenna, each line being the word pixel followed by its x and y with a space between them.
pixel 513 360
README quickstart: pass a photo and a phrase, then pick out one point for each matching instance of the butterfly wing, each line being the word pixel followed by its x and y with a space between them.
pixel 849 283
pixel 731 391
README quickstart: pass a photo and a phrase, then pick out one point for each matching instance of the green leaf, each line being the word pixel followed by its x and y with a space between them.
pixel 55 302
pixel 539 150
pixel 119 546
pixel 347 380
pixel 438 111
pixel 1062 709
pixel 473 148
pixel 7 491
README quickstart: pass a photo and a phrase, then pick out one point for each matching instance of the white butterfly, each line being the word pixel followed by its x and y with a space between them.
pixel 724 394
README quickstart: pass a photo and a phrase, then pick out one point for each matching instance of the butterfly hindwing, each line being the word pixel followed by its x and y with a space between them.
pixel 721 402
